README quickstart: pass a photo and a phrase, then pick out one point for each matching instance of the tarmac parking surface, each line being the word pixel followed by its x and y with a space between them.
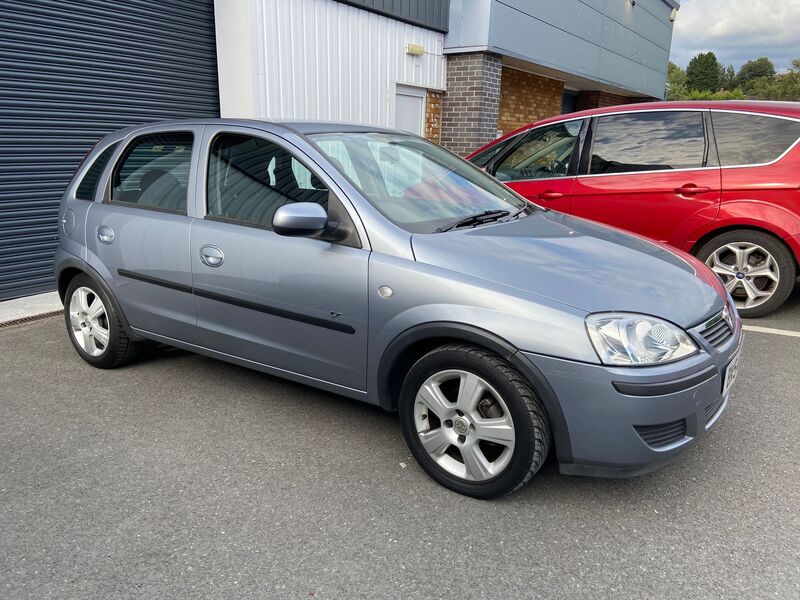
pixel 184 477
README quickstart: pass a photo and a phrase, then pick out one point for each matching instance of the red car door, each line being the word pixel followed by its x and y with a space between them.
pixel 651 172
pixel 543 164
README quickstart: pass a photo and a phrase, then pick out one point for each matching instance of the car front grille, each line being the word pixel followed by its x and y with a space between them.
pixel 717 330
pixel 713 408
pixel 659 436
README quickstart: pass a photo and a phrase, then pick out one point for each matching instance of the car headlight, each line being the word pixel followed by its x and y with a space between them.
pixel 637 340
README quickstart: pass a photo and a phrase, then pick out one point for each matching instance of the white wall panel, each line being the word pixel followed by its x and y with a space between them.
pixel 323 60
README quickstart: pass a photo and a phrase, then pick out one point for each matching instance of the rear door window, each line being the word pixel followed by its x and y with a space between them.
pixel 88 185
pixel 154 172
pixel 752 139
pixel 543 153
pixel 650 141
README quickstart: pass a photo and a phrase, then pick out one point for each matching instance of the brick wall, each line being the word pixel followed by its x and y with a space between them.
pixel 471 105
pixel 525 98
pixel 588 100
pixel 433 116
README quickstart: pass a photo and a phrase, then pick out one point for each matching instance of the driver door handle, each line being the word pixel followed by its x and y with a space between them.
pixel 691 189
pixel 211 256
pixel 550 195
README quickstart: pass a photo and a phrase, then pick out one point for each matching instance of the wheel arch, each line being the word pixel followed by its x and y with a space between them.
pixel 69 268
pixel 706 237
pixel 410 345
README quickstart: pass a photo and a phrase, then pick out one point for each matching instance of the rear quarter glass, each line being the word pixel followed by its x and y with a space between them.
pixel 744 139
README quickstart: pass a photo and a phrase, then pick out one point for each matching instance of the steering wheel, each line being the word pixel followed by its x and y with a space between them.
pixel 557 167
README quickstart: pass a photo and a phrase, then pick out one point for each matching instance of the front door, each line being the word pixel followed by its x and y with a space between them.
pixel 138 237
pixel 296 304
pixel 653 173
pixel 409 109
pixel 542 165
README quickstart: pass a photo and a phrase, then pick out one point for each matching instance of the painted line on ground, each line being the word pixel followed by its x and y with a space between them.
pixel 773 331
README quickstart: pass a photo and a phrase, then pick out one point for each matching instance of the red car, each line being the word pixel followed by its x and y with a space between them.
pixel 718 179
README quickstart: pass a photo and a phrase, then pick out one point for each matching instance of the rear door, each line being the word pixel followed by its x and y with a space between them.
pixel 542 165
pixel 746 141
pixel 655 173
pixel 138 236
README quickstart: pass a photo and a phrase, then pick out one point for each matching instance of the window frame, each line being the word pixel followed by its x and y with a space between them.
pixel 708 137
pixel 299 156
pixel 125 153
pixel 783 155
pixel 574 161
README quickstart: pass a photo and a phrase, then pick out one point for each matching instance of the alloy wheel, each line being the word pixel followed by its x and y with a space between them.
pixel 750 273
pixel 89 321
pixel 464 425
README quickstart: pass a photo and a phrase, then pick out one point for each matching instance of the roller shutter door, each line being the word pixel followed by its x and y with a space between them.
pixel 72 71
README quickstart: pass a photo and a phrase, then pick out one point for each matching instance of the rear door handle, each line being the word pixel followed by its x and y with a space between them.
pixel 550 195
pixel 105 234
pixel 211 256
pixel 691 189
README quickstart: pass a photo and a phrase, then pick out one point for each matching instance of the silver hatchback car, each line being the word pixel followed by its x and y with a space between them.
pixel 379 266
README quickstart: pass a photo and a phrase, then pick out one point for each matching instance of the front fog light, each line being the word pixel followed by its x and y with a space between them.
pixel 631 339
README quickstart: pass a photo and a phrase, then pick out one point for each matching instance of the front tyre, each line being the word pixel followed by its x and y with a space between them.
pixel 757 269
pixel 472 422
pixel 94 327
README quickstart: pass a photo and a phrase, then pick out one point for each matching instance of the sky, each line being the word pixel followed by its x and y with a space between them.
pixel 738 30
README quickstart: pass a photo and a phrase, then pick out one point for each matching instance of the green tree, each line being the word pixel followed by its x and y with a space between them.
pixel 676 82
pixel 784 86
pixel 734 94
pixel 704 73
pixel 729 78
pixel 752 70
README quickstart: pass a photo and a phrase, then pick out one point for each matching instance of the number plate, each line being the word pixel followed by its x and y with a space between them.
pixel 730 375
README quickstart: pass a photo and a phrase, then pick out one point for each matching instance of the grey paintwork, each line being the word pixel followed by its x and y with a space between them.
pixel 610 43
pixel 525 287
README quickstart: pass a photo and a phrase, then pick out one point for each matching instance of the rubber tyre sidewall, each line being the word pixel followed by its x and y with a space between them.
pixel 780 252
pixel 107 358
pixel 517 471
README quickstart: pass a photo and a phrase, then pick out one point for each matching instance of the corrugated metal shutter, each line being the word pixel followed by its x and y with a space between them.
pixel 71 72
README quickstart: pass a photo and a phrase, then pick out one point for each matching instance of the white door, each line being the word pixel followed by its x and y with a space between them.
pixel 409 109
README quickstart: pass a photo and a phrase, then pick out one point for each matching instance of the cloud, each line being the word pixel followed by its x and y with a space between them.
pixel 738 30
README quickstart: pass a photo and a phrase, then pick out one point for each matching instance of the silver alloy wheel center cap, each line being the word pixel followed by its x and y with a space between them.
pixel 739 275
pixel 461 425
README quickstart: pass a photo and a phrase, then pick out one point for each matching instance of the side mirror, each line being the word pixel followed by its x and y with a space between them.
pixel 300 219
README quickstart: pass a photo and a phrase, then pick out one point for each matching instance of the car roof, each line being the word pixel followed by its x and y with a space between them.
pixel 780 109
pixel 301 127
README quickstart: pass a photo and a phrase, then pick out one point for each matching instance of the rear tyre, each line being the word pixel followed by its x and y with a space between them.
pixel 757 269
pixel 472 422
pixel 94 326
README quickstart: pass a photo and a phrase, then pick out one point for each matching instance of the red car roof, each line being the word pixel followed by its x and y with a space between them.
pixel 781 109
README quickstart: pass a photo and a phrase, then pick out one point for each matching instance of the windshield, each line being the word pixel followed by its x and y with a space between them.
pixel 416 184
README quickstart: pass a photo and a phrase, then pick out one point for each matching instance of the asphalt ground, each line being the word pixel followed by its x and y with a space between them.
pixel 185 477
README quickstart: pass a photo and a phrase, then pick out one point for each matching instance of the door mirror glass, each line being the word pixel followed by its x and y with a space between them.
pixel 300 219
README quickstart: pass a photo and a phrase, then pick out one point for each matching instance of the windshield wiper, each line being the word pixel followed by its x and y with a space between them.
pixel 486 216
pixel 516 214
